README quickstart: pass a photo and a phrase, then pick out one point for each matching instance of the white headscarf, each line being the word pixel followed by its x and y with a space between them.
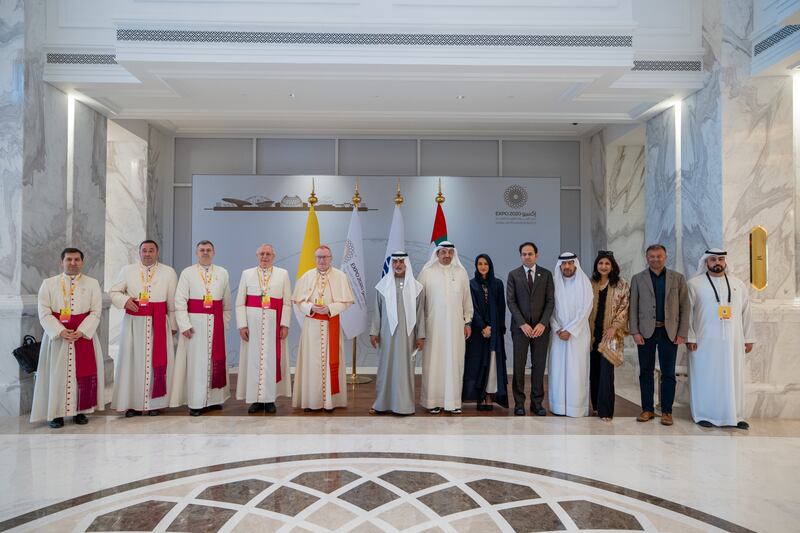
pixel 702 266
pixel 435 259
pixel 572 294
pixel 411 289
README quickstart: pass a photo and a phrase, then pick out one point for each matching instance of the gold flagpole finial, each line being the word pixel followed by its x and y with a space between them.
pixel 398 198
pixel 312 200
pixel 356 196
pixel 440 196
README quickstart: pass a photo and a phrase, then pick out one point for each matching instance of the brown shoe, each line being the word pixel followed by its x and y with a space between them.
pixel 666 419
pixel 646 416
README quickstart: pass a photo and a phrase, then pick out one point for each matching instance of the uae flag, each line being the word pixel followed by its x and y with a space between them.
pixel 439 233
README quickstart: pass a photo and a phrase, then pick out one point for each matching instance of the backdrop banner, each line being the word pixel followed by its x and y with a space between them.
pixel 484 215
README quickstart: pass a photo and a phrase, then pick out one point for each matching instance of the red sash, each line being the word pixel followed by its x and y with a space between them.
pixel 333 347
pixel 219 374
pixel 276 304
pixel 158 310
pixel 85 364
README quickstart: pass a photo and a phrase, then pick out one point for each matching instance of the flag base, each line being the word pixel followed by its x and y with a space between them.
pixel 355 379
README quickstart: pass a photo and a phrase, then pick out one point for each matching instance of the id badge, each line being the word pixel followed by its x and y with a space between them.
pixel 208 301
pixel 65 315
pixel 725 312
pixel 144 298
pixel 265 301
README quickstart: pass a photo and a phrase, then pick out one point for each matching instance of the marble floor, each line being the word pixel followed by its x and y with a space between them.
pixel 301 473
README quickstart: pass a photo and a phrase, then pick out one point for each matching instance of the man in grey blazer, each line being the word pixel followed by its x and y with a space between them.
pixel 529 296
pixel 659 319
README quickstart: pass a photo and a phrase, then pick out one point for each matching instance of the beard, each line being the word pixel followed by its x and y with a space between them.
pixel 716 269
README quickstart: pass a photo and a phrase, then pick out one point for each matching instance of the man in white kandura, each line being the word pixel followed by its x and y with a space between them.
pixel 69 378
pixel 397 330
pixel 568 369
pixel 448 314
pixel 202 310
pixel 263 315
pixel 321 295
pixel 146 291
pixel 720 333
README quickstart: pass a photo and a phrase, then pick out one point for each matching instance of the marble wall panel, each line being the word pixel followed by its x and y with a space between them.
pixel 89 188
pixel 157 144
pixel 659 188
pixel 597 195
pixel 12 68
pixel 701 176
pixel 626 207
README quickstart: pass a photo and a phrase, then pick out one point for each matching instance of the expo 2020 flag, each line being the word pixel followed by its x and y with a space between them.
pixel 354 319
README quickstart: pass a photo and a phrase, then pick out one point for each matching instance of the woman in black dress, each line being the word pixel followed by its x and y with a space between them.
pixel 485 375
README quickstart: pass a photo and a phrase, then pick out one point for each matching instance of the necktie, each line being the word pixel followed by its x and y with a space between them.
pixel 530 280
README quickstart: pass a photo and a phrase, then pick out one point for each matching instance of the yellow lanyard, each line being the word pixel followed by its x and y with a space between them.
pixel 322 282
pixel 147 280
pixel 263 280
pixel 206 281
pixel 73 284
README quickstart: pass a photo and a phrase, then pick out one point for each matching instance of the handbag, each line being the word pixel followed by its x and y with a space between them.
pixel 27 355
pixel 613 350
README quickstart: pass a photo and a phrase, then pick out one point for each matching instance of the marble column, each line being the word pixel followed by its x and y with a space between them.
pixel 596 149
pixel 625 221
pixel 659 184
pixel 34 188
pixel 126 212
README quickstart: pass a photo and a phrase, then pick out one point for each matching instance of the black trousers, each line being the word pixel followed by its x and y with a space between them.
pixel 538 348
pixel 601 379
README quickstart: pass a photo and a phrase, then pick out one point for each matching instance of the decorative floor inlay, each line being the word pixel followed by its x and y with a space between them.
pixel 365 492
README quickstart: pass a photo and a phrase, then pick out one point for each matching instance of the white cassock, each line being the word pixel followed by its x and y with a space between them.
pixel 568 366
pixel 259 380
pixel 716 368
pixel 143 369
pixel 67 383
pixel 199 365
pixel 448 308
pixel 319 380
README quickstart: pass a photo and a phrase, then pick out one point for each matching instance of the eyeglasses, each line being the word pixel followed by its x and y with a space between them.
pixel 605 253
pixel 322 256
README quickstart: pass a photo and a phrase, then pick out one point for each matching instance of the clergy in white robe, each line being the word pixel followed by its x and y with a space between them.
pixel 568 369
pixel 320 296
pixel 202 310
pixel 720 334
pixel 263 315
pixel 397 330
pixel 448 314
pixel 69 378
pixel 143 368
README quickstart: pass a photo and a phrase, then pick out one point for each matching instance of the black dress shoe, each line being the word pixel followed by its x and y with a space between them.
pixel 519 411
pixel 539 411
pixel 132 412
pixel 255 408
pixel 270 407
pixel 215 407
pixel 705 424
pixel 195 412
pixel 743 425
pixel 56 423
pixel 81 419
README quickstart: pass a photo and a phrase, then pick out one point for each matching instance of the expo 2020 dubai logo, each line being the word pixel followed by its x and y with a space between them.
pixel 349 250
pixel 516 197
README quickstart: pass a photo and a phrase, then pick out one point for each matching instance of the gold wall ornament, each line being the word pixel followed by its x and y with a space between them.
pixel 758 258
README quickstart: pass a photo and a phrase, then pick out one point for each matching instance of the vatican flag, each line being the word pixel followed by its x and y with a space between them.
pixel 310 245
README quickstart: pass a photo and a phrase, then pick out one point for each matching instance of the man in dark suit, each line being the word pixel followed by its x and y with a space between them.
pixel 659 319
pixel 529 294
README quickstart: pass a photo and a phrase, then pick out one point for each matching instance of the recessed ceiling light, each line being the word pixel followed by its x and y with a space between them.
pixel 460 97
pixel 291 95
pixel 510 96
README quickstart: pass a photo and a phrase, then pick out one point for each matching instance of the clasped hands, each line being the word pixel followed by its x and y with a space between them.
pixel 532 332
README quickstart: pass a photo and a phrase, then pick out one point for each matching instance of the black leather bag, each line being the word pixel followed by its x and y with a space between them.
pixel 28 354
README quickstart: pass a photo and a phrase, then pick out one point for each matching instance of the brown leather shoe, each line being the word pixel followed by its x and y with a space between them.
pixel 666 419
pixel 646 416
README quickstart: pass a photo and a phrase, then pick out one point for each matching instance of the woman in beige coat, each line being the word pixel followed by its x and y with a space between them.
pixel 608 322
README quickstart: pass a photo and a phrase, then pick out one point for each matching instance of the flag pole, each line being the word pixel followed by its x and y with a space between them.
pixel 354 378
